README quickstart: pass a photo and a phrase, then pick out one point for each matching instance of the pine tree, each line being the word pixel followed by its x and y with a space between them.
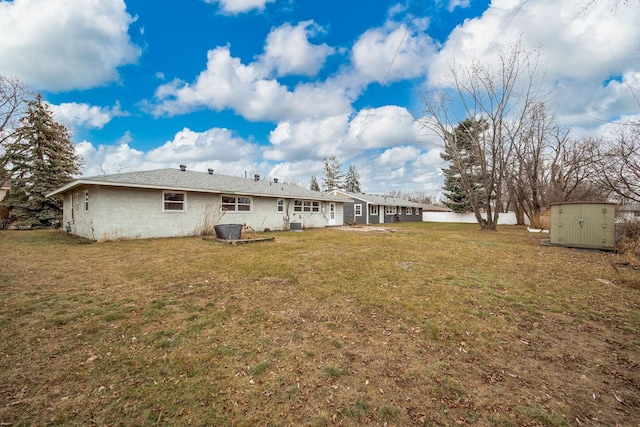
pixel 333 177
pixel 314 184
pixel 456 198
pixel 42 158
pixel 352 183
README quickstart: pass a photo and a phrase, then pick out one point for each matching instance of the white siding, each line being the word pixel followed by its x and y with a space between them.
pixel 123 213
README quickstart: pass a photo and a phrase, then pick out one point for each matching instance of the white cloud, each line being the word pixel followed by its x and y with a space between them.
pixel 304 139
pixel 77 115
pixel 386 126
pixel 288 51
pixel 581 49
pixel 234 7
pixel 394 52
pixel 59 45
pixel 453 4
pixel 342 136
pixel 213 145
pixel 228 84
pixel 397 156
pixel 108 159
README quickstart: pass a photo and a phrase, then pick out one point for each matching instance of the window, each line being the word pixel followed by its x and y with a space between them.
pixel 236 204
pixel 306 206
pixel 358 210
pixel 390 210
pixel 374 209
pixel 409 211
pixel 280 205
pixel 174 201
pixel 417 211
pixel 86 200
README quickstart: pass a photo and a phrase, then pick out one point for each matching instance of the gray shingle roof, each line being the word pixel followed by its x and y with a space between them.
pixel 382 200
pixel 177 180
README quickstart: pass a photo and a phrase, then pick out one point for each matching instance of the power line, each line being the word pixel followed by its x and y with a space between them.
pixel 386 76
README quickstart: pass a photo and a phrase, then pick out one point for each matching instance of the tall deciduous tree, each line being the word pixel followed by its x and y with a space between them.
pixel 13 94
pixel 333 177
pixel 352 180
pixel 42 158
pixel 500 94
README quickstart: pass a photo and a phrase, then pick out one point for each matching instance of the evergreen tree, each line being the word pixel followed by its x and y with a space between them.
pixel 464 136
pixel 333 177
pixel 42 158
pixel 314 184
pixel 352 183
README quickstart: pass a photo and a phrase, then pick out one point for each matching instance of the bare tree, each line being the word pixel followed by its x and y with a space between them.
pixel 13 94
pixel 571 173
pixel 533 149
pixel 502 97
pixel 618 162
pixel 413 196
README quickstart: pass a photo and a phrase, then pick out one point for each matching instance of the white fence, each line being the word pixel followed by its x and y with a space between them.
pixel 504 218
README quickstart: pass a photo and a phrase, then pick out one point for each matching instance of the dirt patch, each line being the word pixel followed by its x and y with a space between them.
pixel 367 228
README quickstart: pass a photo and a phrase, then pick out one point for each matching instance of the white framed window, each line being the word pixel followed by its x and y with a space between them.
pixel 174 201
pixel 417 211
pixel 86 200
pixel 306 206
pixel 374 209
pixel 280 205
pixel 409 211
pixel 390 210
pixel 357 209
pixel 236 204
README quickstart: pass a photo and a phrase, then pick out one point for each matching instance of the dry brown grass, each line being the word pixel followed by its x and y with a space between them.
pixel 430 325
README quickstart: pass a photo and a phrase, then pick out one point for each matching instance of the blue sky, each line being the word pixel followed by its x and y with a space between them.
pixel 274 86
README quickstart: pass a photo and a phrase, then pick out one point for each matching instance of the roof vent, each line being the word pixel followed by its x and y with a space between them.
pixel 256 177
pixel 183 168
pixel 275 180
pixel 210 171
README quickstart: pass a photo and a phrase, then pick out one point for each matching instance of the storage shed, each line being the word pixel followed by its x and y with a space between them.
pixel 583 225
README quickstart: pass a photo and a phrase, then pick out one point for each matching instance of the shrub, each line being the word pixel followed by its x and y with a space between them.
pixel 629 240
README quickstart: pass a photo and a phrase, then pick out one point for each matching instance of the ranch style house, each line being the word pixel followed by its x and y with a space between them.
pixel 177 202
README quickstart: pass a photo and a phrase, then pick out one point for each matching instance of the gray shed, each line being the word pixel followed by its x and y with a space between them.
pixel 583 225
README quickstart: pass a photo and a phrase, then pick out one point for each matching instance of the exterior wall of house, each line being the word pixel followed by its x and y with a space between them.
pixel 367 217
pixel 124 213
pixel 402 215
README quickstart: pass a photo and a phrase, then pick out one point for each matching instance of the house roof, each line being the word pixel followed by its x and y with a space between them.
pixel 178 180
pixel 435 208
pixel 380 200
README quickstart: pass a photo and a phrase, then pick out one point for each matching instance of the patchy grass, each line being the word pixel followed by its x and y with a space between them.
pixel 434 324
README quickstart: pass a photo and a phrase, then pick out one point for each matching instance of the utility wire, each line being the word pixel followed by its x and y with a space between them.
pixel 384 79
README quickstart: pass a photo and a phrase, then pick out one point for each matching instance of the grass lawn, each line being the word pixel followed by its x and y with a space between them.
pixel 427 324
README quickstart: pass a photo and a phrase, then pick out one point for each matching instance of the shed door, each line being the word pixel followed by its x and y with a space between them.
pixel 598 230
